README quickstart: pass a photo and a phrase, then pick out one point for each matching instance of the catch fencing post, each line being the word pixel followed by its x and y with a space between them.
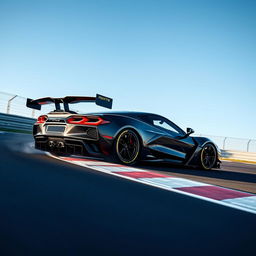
pixel 248 145
pixel 9 104
pixel 224 141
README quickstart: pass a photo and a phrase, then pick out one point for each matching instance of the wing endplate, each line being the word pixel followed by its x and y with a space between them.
pixel 103 101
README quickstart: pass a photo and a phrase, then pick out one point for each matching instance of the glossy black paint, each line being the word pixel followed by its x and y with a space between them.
pixel 157 143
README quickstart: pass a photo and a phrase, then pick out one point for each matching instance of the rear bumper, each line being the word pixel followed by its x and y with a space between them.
pixel 67 145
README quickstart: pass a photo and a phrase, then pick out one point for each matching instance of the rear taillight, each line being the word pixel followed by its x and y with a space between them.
pixel 41 119
pixel 86 120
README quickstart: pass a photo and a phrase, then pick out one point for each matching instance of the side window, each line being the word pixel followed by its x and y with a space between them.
pixel 164 125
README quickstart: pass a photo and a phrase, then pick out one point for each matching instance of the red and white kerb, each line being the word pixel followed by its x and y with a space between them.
pixel 224 196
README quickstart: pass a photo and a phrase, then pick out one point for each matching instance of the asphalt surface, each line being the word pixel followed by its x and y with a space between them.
pixel 50 207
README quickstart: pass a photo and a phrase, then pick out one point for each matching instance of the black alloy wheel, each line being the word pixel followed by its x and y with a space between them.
pixel 208 156
pixel 128 147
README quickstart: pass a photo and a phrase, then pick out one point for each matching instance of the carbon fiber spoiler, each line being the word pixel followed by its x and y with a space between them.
pixel 100 100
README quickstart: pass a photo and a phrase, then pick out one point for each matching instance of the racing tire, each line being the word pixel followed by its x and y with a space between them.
pixel 208 156
pixel 127 147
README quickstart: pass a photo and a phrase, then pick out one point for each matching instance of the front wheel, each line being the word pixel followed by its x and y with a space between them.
pixel 208 156
pixel 127 147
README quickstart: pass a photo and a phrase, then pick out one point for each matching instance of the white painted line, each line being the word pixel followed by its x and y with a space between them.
pixel 248 202
pixel 174 182
pixel 126 169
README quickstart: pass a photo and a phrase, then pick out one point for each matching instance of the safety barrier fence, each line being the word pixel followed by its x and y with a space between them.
pixel 16 105
pixel 16 123
pixel 229 143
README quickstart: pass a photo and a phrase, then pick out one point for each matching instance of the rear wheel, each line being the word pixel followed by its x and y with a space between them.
pixel 127 147
pixel 208 156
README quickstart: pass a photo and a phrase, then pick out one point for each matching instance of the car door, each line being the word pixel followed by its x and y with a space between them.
pixel 174 144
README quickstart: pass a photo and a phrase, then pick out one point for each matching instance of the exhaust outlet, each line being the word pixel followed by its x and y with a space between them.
pixel 51 144
pixel 60 144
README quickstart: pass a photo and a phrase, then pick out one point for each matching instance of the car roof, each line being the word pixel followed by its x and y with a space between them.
pixel 124 113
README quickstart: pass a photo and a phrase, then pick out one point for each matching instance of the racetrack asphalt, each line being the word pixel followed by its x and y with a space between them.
pixel 50 207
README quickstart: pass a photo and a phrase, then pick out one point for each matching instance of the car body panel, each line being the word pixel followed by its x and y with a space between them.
pixel 157 142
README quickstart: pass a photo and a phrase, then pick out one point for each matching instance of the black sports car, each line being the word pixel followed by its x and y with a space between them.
pixel 126 137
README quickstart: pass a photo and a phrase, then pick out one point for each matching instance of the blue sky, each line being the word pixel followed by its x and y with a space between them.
pixel 191 61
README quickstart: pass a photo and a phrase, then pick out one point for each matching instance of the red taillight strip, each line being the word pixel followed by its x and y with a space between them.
pixel 72 120
pixel 86 120
pixel 100 121
pixel 41 119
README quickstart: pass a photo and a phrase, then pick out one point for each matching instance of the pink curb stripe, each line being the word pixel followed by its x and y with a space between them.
pixel 144 174
pixel 213 192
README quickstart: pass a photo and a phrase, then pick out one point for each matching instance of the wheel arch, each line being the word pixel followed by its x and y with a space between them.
pixel 128 127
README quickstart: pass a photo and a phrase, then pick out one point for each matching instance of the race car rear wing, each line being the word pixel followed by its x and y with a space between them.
pixel 100 100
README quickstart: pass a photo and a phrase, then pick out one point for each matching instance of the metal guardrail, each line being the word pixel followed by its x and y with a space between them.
pixel 16 123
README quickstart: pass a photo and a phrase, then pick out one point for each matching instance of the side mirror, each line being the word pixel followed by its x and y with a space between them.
pixel 190 131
